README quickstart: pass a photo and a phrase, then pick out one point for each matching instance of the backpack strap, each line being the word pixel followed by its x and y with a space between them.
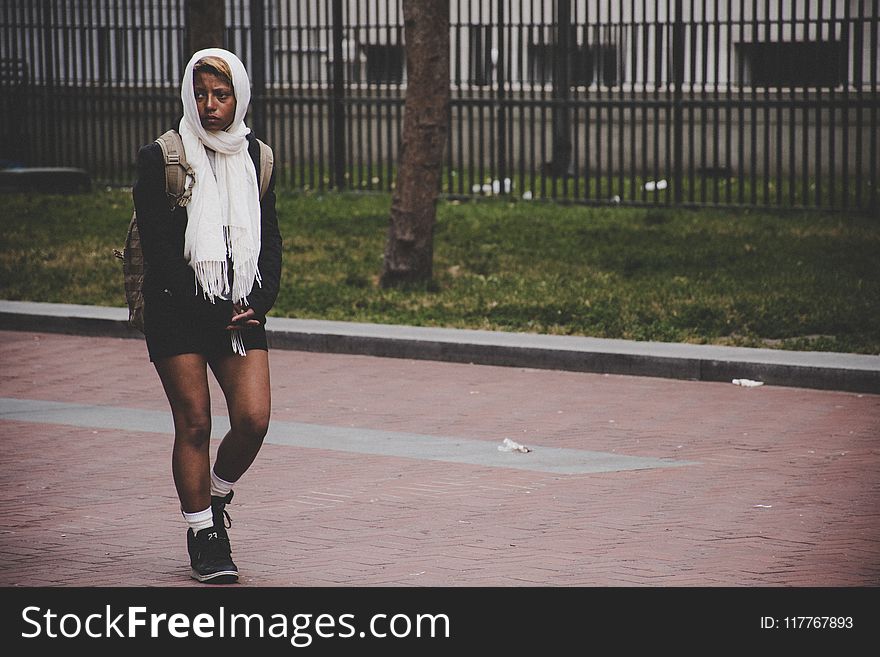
pixel 176 168
pixel 267 161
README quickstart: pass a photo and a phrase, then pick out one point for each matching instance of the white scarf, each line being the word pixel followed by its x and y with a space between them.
pixel 223 215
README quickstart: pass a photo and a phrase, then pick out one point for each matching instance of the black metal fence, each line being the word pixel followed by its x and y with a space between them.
pixel 768 103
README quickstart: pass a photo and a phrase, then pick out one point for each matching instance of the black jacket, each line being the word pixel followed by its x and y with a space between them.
pixel 162 235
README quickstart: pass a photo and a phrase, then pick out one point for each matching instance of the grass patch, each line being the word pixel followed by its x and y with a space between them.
pixel 797 280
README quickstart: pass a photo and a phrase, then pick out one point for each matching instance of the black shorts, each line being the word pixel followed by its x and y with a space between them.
pixel 171 330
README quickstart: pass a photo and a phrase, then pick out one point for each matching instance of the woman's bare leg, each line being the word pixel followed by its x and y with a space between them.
pixel 245 384
pixel 185 379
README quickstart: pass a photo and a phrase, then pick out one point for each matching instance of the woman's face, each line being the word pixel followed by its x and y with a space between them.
pixel 215 99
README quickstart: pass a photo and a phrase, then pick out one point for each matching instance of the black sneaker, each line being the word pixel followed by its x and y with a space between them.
pixel 210 556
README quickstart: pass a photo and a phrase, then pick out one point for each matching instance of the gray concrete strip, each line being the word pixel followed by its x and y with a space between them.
pixel 806 369
pixel 70 319
pixel 345 439
pixel 836 371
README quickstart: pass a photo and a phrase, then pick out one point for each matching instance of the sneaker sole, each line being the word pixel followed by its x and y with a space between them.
pixel 222 577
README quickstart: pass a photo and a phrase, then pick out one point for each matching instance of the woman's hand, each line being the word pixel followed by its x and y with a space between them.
pixel 242 318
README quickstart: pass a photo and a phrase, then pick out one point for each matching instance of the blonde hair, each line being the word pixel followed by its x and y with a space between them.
pixel 215 65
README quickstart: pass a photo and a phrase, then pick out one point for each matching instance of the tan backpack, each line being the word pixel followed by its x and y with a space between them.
pixel 176 171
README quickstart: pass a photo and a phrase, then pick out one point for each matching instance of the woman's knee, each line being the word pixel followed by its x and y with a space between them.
pixel 192 429
pixel 184 378
pixel 251 425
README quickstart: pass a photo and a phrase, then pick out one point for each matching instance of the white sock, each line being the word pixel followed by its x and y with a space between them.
pixel 199 520
pixel 220 487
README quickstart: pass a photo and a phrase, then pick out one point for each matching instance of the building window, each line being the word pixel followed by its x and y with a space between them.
pixel 480 60
pixel 792 63
pixel 594 64
pixel 114 61
pixel 384 63
pixel 540 64
pixel 13 71
pixel 588 64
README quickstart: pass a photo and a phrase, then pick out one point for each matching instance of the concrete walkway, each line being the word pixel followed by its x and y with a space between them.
pixel 386 471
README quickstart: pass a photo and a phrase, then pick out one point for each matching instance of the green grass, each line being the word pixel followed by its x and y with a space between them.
pixel 794 280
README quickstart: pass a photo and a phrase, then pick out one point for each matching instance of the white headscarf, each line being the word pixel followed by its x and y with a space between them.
pixel 223 215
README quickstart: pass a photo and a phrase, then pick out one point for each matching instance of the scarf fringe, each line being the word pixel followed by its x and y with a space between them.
pixel 213 276
pixel 238 344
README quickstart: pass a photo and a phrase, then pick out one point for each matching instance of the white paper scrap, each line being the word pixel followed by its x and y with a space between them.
pixel 507 445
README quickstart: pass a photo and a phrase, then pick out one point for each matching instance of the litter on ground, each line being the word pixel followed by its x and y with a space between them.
pixel 508 445
pixel 747 383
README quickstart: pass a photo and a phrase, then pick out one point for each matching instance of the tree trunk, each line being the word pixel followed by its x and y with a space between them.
pixel 409 250
pixel 561 163
pixel 205 24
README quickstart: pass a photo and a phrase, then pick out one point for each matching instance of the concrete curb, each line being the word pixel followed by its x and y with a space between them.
pixel 822 370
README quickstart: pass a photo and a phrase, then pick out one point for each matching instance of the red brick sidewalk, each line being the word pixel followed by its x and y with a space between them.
pixel 780 489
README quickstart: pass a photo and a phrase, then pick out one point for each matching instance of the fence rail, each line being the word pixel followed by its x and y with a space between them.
pixel 655 102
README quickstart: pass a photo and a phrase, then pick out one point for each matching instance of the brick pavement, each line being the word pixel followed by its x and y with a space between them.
pixel 767 486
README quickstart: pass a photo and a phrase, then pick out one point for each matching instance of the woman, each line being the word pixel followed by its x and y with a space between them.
pixel 212 273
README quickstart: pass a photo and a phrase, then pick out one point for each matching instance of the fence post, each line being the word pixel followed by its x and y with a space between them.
pixel 258 67
pixel 49 97
pixel 501 110
pixel 874 180
pixel 205 25
pixel 677 105
pixel 561 91
pixel 338 108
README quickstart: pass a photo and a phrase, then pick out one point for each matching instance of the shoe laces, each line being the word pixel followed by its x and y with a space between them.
pixel 221 503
